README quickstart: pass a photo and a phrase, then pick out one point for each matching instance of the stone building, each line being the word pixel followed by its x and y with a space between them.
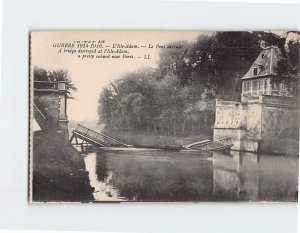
pixel 267 112
pixel 50 106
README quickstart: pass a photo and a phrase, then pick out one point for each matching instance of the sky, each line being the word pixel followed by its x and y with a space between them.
pixel 91 75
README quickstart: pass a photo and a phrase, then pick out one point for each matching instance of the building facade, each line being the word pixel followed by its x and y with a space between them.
pixel 267 111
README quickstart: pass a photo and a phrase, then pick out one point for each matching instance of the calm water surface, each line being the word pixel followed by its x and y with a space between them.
pixel 175 176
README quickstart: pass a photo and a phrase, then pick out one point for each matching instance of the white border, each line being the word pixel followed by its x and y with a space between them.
pixel 22 16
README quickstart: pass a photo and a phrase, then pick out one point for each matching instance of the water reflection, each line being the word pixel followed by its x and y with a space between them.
pixel 174 176
pixel 230 183
pixel 248 176
pixel 101 167
pixel 100 179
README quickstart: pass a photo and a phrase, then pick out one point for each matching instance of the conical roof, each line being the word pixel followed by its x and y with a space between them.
pixel 265 63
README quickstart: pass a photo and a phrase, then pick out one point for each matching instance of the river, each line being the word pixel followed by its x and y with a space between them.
pixel 177 176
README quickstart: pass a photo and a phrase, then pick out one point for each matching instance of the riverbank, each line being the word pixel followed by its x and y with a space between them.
pixel 151 140
pixel 148 140
pixel 58 170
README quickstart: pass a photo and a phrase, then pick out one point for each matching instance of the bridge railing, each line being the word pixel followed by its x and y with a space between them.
pixel 39 117
pixel 50 85
pixel 214 145
pixel 45 85
pixel 90 133
pixel 98 136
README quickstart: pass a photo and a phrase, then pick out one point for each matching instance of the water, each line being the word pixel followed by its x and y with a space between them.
pixel 174 176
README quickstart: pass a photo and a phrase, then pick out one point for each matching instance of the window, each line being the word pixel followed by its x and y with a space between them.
pixel 267 86
pixel 283 86
pixel 247 86
pixel 255 71
pixel 254 85
pixel 262 85
pixel 274 86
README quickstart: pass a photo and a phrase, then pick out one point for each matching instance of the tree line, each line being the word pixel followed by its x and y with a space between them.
pixel 41 74
pixel 177 98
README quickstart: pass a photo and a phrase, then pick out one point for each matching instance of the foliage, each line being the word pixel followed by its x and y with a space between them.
pixel 288 67
pixel 41 74
pixel 177 98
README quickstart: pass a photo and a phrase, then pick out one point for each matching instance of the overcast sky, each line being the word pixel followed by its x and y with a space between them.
pixel 90 76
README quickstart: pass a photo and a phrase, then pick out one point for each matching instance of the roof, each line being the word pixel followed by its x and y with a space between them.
pixel 266 62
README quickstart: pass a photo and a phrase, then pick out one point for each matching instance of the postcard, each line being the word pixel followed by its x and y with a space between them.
pixel 164 116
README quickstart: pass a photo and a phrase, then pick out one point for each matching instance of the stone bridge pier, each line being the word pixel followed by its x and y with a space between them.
pixel 249 124
pixel 50 106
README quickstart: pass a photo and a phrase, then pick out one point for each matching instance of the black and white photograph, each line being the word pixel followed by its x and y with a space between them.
pixel 163 116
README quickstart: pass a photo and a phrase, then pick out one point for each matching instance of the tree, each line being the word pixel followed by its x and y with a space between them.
pixel 41 74
pixel 178 97
pixel 173 59
pixel 288 66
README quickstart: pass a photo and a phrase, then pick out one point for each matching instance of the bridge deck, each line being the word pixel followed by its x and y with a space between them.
pixel 96 138
pixel 222 144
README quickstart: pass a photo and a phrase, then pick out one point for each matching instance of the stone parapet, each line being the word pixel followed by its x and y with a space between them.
pixel 229 115
pixel 279 101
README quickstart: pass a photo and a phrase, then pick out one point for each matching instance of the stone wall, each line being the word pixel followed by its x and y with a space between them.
pixel 276 119
pixel 235 135
pixel 53 106
pixel 279 114
pixel 48 103
pixel 253 123
pixel 229 115
pixel 240 122
pixel 252 133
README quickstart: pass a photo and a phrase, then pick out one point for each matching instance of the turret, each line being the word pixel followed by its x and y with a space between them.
pixel 261 77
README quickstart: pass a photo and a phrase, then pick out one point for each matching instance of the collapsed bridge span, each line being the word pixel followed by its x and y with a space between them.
pixel 89 136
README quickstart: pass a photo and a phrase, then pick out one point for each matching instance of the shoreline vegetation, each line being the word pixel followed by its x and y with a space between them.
pixel 59 173
pixel 168 142
pixel 155 141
